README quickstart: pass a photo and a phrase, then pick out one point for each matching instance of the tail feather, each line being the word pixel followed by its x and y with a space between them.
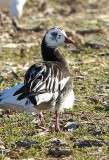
pixel 25 95
pixel 22 89
pixel 22 96
pixel 28 94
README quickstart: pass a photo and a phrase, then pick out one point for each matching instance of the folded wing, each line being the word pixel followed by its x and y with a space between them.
pixel 43 82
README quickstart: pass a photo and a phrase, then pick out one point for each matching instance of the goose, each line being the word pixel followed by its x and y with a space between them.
pixel 15 8
pixel 48 83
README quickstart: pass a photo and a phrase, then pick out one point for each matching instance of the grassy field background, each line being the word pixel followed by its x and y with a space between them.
pixel 87 22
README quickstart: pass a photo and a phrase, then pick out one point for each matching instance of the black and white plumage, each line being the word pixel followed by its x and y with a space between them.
pixel 43 83
pixel 48 84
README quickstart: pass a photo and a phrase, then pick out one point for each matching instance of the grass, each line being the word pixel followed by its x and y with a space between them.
pixel 23 139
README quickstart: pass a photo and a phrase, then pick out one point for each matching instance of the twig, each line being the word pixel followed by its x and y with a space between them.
pixel 20 28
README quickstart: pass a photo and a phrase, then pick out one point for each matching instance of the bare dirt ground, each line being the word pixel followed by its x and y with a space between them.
pixel 87 138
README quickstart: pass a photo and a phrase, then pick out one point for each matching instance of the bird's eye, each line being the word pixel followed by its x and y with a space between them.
pixel 59 36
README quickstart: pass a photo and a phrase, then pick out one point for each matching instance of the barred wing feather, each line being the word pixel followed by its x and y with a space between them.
pixel 42 81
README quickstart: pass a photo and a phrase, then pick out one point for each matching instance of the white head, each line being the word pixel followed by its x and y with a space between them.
pixel 55 36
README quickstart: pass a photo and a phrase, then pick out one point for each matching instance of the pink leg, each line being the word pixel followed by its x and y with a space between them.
pixel 1 19
pixel 57 128
pixel 41 116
